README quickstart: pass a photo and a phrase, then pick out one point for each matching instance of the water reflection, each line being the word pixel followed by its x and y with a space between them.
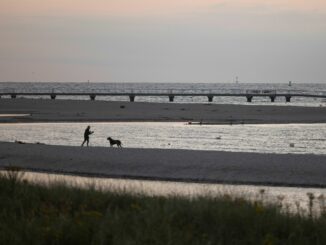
pixel 14 115
pixel 281 138
pixel 290 198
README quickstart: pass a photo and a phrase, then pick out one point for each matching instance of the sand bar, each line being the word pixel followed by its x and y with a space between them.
pixel 175 165
pixel 44 110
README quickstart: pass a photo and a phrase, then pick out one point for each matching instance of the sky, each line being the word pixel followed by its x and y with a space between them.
pixel 163 41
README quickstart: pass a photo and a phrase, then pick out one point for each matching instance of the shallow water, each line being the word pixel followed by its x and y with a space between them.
pixel 291 199
pixel 14 115
pixel 280 138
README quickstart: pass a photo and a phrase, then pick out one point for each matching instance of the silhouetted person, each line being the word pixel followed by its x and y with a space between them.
pixel 87 133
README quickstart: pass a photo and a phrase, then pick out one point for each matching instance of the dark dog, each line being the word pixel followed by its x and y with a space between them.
pixel 114 142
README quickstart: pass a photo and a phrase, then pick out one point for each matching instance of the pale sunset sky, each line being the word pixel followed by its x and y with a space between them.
pixel 163 40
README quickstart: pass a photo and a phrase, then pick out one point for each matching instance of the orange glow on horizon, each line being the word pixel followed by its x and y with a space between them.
pixel 97 7
pixel 144 7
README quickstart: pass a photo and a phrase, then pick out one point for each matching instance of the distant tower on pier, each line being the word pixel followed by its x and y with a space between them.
pixel 290 83
pixel 236 80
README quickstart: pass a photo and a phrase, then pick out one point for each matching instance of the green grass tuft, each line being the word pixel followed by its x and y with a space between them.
pixel 59 214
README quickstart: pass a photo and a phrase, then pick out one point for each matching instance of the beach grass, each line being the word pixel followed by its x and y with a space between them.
pixel 61 214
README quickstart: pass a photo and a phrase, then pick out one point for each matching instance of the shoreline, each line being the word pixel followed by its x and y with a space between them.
pixel 158 121
pixel 168 180
pixel 236 168
pixel 112 111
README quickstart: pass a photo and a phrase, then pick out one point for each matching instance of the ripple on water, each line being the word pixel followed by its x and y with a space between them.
pixel 283 139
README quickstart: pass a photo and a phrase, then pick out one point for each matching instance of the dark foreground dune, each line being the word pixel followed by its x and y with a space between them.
pixel 176 165
pixel 45 110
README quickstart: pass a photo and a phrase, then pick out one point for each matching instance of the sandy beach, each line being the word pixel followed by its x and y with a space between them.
pixel 175 165
pixel 158 164
pixel 44 110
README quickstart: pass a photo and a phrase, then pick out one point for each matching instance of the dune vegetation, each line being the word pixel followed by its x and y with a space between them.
pixel 61 214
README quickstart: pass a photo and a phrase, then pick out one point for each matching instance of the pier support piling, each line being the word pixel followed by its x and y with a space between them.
pixel 132 98
pixel 13 96
pixel 210 98
pixel 272 98
pixel 171 98
pixel 53 96
pixel 249 98
pixel 288 98
pixel 92 96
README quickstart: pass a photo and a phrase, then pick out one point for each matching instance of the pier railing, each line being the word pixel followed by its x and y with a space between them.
pixel 170 93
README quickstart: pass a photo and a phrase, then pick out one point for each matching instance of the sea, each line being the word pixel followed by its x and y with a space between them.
pixel 90 87
pixel 271 138
pixel 278 138
pixel 259 138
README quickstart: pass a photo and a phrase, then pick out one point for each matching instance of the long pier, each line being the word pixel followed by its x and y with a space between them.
pixel 171 94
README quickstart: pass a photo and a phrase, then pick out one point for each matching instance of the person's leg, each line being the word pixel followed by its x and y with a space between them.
pixel 87 141
pixel 83 142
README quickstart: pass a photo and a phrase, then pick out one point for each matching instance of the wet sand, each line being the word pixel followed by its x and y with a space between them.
pixel 44 110
pixel 158 164
pixel 174 165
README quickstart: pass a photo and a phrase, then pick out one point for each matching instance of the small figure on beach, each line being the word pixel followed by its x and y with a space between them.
pixel 87 133
pixel 114 142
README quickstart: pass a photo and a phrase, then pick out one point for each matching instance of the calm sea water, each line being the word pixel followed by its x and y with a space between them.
pixel 281 138
pixel 177 87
